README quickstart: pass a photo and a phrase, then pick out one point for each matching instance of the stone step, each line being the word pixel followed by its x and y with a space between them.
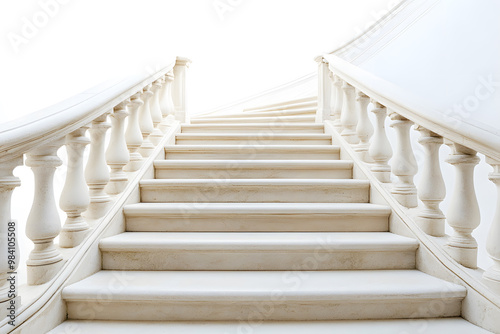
pixel 252 152
pixel 278 127
pixel 295 103
pixel 271 119
pixel 280 111
pixel 266 295
pixel 252 139
pixel 248 169
pixel 256 217
pixel 255 191
pixel 385 326
pixel 257 251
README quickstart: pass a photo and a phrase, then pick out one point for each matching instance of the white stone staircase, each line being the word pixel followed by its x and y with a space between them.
pixel 253 224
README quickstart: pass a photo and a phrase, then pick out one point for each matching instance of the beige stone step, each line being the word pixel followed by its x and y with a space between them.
pixel 248 169
pixel 252 139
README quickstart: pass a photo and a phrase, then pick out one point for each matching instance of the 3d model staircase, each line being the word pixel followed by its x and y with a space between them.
pixel 253 224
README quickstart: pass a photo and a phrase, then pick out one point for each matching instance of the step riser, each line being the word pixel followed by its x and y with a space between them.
pixel 245 155
pixel 274 308
pixel 243 173
pixel 284 119
pixel 203 259
pixel 272 113
pixel 223 193
pixel 196 222
pixel 265 129
pixel 262 141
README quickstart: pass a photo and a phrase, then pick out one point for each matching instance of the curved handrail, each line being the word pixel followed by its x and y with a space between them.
pixel 411 106
pixel 56 121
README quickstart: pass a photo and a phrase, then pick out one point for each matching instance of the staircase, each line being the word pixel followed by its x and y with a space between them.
pixel 254 224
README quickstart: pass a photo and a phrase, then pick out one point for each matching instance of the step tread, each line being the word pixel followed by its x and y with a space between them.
pixel 279 241
pixel 230 286
pixel 290 136
pixel 338 209
pixel 253 148
pixel 390 326
pixel 321 183
pixel 256 125
pixel 263 119
pixel 267 164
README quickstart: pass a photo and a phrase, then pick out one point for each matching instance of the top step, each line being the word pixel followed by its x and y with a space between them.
pixel 277 127
pixel 302 102
pixel 271 119
pixel 283 112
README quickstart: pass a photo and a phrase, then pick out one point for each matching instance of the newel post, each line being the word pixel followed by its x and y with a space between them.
pixel 9 245
pixel 179 89
pixel 324 90
pixel 493 241
pixel 43 223
pixel 463 213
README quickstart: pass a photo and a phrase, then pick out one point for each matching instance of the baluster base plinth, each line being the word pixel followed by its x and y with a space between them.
pixel 156 136
pixel 38 275
pixel 406 196
pixel 73 232
pixel 146 149
pixel 118 184
pixel 97 207
pixel 350 136
pixel 492 276
pixel 465 256
pixel 382 173
pixel 432 225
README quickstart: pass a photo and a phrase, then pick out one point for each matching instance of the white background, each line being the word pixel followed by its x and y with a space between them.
pixel 253 46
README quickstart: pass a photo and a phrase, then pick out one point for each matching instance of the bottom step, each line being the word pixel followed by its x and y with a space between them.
pixel 264 295
pixel 407 326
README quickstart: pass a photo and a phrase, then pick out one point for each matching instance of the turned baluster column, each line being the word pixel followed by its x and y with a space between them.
pixel 364 129
pixel 493 241
pixel 96 171
pixel 431 188
pixel 333 95
pixel 75 194
pixel 463 213
pixel 133 135
pixel 156 115
pixel 146 123
pixel 349 117
pixel 9 245
pixel 380 150
pixel 117 155
pixel 168 111
pixel 404 165
pixel 337 107
pixel 43 223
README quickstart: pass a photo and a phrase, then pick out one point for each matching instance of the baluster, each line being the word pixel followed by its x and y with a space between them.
pixel 75 194
pixel 8 182
pixel 146 123
pixel 337 108
pixel 117 154
pixel 431 188
pixel 364 129
pixel 463 213
pixel 133 135
pixel 156 116
pixel 404 165
pixel 96 171
pixel 493 241
pixel 380 150
pixel 333 96
pixel 349 116
pixel 169 111
pixel 43 223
